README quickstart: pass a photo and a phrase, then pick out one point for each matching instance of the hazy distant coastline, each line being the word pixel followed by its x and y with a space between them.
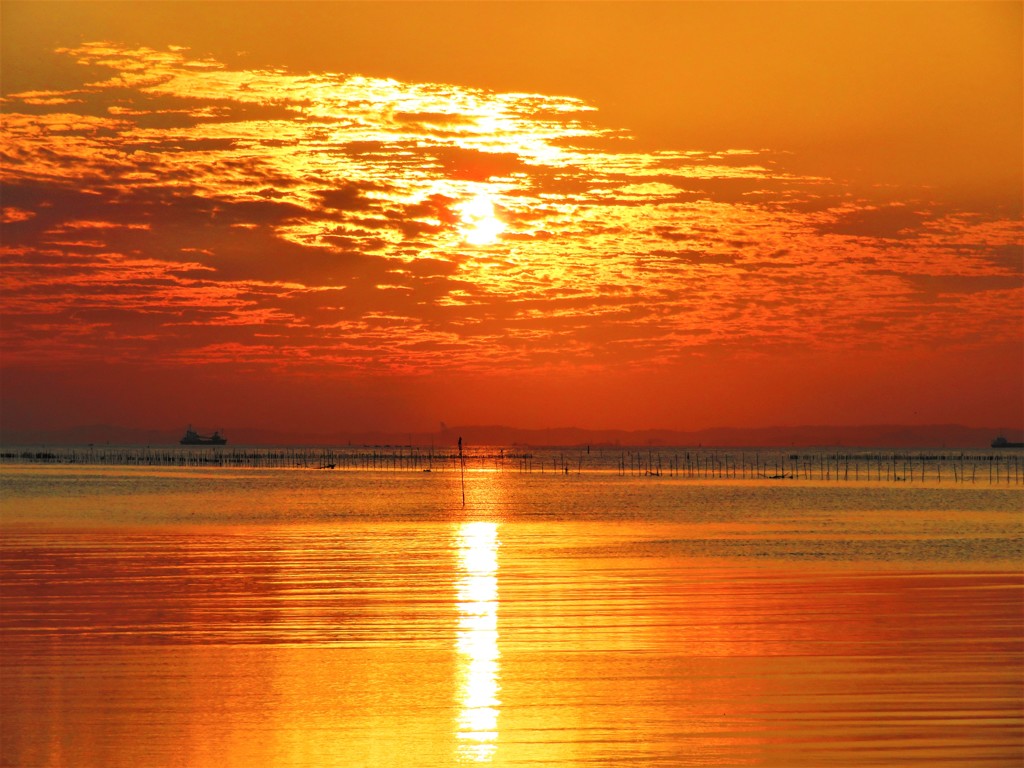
pixel 886 435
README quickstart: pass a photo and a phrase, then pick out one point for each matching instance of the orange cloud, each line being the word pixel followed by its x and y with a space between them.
pixel 173 209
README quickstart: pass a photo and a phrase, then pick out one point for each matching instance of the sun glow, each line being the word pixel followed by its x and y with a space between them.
pixel 479 224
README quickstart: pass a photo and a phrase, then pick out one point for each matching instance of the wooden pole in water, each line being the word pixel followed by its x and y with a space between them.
pixel 462 467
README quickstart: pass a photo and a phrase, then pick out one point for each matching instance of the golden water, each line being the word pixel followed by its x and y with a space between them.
pixel 285 618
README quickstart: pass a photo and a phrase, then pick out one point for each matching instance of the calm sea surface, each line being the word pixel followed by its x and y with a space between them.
pixel 215 617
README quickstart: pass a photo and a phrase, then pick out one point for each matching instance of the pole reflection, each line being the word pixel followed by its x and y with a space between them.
pixel 477 641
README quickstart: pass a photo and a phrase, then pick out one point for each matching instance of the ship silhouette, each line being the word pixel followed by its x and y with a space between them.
pixel 1002 442
pixel 194 438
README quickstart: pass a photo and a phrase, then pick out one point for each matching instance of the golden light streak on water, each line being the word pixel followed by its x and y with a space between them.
pixel 477 641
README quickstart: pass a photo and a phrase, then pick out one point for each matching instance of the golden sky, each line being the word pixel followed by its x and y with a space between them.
pixel 328 216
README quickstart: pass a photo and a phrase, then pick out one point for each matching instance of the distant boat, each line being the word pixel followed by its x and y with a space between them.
pixel 1002 442
pixel 194 438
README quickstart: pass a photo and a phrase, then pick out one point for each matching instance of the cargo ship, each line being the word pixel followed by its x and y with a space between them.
pixel 1002 442
pixel 194 438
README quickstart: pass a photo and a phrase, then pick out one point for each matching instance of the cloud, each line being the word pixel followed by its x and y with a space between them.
pixel 180 209
pixel 891 222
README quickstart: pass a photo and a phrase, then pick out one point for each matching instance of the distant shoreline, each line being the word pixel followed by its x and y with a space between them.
pixel 886 436
pixel 923 466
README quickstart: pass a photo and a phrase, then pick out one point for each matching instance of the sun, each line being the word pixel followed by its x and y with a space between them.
pixel 479 224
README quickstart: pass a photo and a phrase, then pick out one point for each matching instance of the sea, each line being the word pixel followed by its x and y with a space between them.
pixel 655 606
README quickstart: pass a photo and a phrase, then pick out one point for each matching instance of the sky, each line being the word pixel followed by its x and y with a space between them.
pixel 326 217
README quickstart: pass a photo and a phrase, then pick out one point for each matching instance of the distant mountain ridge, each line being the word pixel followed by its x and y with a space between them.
pixel 880 435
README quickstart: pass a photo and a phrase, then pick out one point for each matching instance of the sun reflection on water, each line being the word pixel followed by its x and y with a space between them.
pixel 477 641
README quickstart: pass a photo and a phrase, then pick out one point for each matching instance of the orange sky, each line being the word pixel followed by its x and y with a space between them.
pixel 349 216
